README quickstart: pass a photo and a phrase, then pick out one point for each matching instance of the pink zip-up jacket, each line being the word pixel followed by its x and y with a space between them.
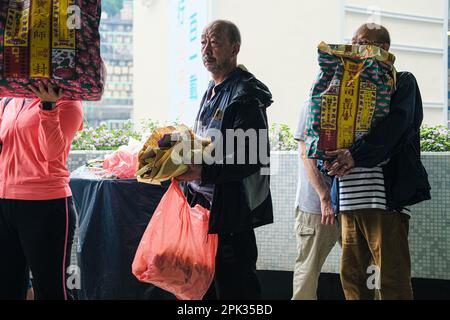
pixel 35 145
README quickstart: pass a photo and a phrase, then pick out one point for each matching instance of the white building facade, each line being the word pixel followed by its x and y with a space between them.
pixel 279 46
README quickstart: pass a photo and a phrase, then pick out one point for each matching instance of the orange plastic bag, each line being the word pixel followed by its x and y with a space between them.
pixel 122 162
pixel 176 252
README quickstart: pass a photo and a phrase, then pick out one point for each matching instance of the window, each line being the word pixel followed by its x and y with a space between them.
pixel 116 33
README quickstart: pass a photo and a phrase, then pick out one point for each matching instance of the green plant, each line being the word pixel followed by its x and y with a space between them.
pixel 281 138
pixel 435 139
pixel 103 138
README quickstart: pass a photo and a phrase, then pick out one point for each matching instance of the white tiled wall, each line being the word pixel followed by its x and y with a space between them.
pixel 429 225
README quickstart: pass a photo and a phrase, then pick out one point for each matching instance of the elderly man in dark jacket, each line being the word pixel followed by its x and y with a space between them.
pixel 236 187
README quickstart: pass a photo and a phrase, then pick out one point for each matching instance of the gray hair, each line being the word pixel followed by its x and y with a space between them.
pixel 375 32
pixel 229 28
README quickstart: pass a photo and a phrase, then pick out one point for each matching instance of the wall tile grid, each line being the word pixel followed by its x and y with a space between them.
pixel 429 225
pixel 75 160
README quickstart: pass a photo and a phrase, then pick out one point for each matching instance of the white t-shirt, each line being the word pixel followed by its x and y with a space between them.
pixel 307 199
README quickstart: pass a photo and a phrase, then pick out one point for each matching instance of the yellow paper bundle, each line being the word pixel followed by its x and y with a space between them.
pixel 156 158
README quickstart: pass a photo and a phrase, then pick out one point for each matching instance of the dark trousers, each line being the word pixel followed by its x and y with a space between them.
pixel 35 235
pixel 235 275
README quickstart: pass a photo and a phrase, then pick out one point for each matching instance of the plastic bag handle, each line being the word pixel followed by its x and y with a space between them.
pixel 176 186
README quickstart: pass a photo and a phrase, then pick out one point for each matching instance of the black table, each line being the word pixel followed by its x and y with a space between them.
pixel 112 217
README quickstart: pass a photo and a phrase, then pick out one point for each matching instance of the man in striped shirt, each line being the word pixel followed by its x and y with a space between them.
pixel 375 249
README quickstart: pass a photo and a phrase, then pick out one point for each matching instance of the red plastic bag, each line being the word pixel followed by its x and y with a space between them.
pixel 123 162
pixel 176 252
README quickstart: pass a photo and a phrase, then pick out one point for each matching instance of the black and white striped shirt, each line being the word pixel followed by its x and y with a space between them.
pixel 363 188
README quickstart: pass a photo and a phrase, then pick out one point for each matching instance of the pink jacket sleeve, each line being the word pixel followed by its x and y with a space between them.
pixel 58 128
pixel 2 102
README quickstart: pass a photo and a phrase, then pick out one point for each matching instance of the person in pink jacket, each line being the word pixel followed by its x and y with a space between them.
pixel 37 215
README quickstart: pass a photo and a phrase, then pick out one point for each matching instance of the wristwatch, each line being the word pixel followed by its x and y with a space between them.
pixel 48 105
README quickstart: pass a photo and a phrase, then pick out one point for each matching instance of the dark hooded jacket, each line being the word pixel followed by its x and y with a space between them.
pixel 396 139
pixel 241 199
